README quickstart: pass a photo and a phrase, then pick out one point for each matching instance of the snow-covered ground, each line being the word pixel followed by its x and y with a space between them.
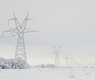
pixel 48 74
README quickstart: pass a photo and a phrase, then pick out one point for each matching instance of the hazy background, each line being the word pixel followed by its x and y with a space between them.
pixel 66 23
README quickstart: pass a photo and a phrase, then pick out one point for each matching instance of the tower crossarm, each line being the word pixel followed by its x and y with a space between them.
pixel 30 30
pixel 12 31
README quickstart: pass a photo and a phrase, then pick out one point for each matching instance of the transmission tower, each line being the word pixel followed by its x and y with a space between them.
pixel 19 31
pixel 57 55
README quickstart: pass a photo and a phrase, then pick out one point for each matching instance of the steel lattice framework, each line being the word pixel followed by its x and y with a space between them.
pixel 57 55
pixel 19 31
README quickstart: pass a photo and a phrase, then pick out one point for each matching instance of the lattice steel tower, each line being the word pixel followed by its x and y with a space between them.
pixel 57 55
pixel 19 31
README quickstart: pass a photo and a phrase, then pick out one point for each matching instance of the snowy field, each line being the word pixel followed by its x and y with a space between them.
pixel 48 74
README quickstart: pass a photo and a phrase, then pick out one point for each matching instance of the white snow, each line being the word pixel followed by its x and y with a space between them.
pixel 13 64
pixel 48 74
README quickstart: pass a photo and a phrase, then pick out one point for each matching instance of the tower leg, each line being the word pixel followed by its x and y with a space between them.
pixel 20 49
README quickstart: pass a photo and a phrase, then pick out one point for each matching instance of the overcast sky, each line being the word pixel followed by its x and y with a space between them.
pixel 68 23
